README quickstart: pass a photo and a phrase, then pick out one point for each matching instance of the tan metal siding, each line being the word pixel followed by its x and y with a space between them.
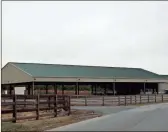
pixel 163 86
pixel 11 74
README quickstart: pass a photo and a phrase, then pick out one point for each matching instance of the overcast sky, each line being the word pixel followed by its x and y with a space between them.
pixel 117 34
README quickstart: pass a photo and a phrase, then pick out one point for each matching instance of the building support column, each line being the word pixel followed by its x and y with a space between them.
pixel 39 90
pixel 13 89
pixel 144 88
pixel 32 88
pixel 28 89
pixel 157 89
pixel 46 89
pixel 91 89
pixel 2 89
pixel 105 89
pixel 10 89
pixel 130 91
pixel 76 88
pixel 55 88
pixel 114 88
pixel 62 89
pixel 153 90
pixel 95 89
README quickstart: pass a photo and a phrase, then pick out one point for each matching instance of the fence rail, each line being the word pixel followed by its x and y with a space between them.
pixel 15 104
pixel 78 100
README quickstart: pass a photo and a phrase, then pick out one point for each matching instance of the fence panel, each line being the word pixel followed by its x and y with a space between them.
pixel 80 100
pixel 15 104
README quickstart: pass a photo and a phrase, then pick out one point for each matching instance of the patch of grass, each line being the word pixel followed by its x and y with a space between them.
pixel 14 127
pixel 45 124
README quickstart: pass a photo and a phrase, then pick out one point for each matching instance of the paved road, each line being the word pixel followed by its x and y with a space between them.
pixel 144 118
pixel 105 110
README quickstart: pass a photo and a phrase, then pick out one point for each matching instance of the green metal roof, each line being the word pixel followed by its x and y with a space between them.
pixel 165 76
pixel 58 70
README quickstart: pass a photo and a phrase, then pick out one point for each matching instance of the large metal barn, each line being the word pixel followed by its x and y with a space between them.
pixel 99 80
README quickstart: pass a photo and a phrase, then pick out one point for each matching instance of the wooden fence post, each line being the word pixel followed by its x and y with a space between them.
pixel 49 100
pixel 140 99
pixel 55 106
pixel 162 97
pixel 85 101
pixel 103 101
pixel 25 92
pixel 148 98
pixel 69 105
pixel 64 101
pixel 112 100
pixel 37 106
pixel 125 100
pixel 13 92
pixel 119 100
pixel 155 98
pixel 24 101
pixel 14 108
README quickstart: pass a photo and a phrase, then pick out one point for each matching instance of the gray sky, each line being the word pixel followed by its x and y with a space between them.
pixel 118 34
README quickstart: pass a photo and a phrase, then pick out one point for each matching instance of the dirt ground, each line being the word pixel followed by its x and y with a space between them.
pixel 49 123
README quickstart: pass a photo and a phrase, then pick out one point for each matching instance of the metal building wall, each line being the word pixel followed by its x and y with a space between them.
pixel 162 87
pixel 11 74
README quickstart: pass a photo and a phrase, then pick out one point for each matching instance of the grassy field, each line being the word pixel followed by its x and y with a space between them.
pixel 45 124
